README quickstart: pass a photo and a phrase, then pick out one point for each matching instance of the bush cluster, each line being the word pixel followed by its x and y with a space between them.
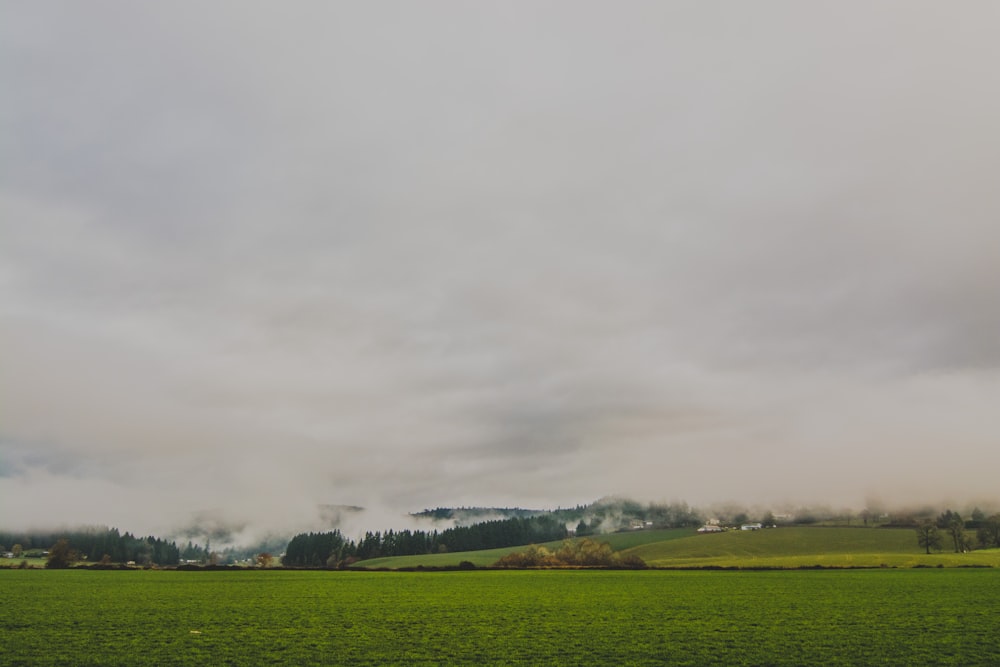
pixel 572 553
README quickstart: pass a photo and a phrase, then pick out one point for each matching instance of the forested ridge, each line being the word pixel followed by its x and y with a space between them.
pixel 510 527
pixel 94 544
pixel 332 548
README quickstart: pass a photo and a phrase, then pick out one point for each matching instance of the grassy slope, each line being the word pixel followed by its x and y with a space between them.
pixel 780 547
pixel 799 547
pixel 487 557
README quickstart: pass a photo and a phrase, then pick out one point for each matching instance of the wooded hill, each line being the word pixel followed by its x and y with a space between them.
pixel 331 549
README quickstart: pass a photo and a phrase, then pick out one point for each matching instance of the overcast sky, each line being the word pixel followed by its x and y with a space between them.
pixel 258 256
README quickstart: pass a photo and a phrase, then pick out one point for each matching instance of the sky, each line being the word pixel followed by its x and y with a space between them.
pixel 259 257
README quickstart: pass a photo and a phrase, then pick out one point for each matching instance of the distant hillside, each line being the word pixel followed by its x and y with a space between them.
pixel 805 547
pixel 485 558
pixel 606 515
pixel 794 547
pixel 464 516
pixel 333 549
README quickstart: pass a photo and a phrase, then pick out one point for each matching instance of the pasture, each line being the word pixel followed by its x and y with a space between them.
pixel 849 617
pixel 486 557
pixel 806 547
pixel 790 547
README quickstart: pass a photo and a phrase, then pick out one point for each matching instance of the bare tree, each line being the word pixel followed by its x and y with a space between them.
pixel 956 529
pixel 989 532
pixel 928 536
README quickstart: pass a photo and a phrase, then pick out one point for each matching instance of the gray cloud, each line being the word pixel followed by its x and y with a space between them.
pixel 265 259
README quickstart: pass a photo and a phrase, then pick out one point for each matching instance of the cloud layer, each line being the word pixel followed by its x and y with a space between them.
pixel 403 255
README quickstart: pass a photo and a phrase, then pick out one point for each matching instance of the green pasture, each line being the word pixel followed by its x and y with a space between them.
pixel 483 558
pixel 634 538
pixel 792 547
pixel 806 547
pixel 546 617
pixel 487 557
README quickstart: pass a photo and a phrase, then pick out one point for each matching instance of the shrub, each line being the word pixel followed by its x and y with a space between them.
pixel 60 555
pixel 579 553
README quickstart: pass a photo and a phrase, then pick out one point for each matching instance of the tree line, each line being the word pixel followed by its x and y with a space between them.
pixel 94 545
pixel 332 549
pixel 951 529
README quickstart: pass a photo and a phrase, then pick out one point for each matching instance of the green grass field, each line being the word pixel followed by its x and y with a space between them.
pixel 851 617
pixel 778 548
pixel 806 547
pixel 486 557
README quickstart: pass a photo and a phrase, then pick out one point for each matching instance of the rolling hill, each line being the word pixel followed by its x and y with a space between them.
pixel 792 547
pixel 805 547
pixel 485 558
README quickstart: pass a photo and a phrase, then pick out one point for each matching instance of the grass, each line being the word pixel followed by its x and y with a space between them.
pixel 793 547
pixel 806 547
pixel 856 617
pixel 487 557
pixel 483 558
pixel 634 538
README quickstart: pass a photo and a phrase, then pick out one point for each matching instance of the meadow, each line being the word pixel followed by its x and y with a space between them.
pixel 788 547
pixel 806 547
pixel 486 557
pixel 847 617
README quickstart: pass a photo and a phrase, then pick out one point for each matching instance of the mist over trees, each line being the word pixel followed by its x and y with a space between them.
pixel 469 515
pixel 477 528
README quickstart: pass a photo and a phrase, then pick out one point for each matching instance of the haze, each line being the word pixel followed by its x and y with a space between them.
pixel 259 257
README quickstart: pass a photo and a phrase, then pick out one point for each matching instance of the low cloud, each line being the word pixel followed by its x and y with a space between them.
pixel 272 260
